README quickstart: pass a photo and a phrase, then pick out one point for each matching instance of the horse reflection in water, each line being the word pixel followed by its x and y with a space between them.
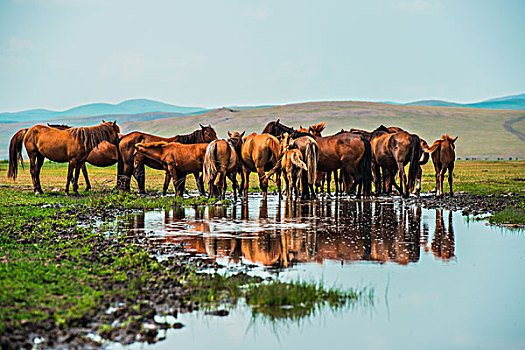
pixel 442 245
pixel 314 231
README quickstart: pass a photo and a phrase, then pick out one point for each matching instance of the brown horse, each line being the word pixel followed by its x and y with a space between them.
pixel 177 160
pixel 221 160
pixel 391 153
pixel 259 153
pixel 349 152
pixel 70 145
pixel 129 162
pixel 443 156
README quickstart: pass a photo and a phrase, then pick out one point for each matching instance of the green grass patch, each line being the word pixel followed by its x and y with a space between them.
pixel 510 215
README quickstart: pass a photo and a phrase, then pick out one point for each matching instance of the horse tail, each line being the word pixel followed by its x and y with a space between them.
pixel 366 167
pixel 210 162
pixel 432 148
pixel 415 145
pixel 311 161
pixel 298 161
pixel 15 153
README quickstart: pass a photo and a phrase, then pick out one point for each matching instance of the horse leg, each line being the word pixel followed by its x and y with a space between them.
pixel 328 183
pixel 402 180
pixel 278 182
pixel 377 178
pixel 75 180
pixel 199 180
pixel 246 181
pixel 36 160
pixel 174 178
pixel 418 183
pixel 235 184
pixel 263 181
pixel 442 180
pixel 391 174
pixel 167 178
pixel 71 166
pixel 86 178
pixel 450 171
pixel 286 184
pixel 139 173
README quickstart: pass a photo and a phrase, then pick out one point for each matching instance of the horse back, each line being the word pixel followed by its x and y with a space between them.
pixel 54 144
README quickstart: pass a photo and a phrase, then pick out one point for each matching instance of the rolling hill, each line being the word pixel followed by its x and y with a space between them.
pixel 506 102
pixel 483 133
pixel 99 109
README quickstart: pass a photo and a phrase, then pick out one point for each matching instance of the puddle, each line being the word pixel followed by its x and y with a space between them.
pixel 440 281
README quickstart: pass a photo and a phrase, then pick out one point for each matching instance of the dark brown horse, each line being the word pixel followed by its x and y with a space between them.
pixel 177 160
pixel 259 153
pixel 346 151
pixel 221 161
pixel 391 153
pixel 443 156
pixel 129 162
pixel 70 145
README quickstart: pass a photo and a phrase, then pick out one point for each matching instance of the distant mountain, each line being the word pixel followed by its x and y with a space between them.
pixel 98 109
pixel 505 102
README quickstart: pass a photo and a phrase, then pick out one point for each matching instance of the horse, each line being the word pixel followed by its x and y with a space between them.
pixel 303 141
pixel 69 145
pixel 391 153
pixel 322 176
pixel 259 153
pixel 177 160
pixel 291 164
pixel 129 162
pixel 349 152
pixel 443 156
pixel 221 160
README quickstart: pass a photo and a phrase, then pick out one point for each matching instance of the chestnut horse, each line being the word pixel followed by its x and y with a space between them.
pixel 221 161
pixel 177 160
pixel 129 162
pixel 70 145
pixel 391 153
pixel 443 156
pixel 259 153
pixel 349 152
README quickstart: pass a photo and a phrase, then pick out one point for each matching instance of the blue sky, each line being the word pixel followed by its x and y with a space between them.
pixel 61 53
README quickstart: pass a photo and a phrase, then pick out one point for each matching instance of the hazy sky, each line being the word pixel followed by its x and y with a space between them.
pixel 61 53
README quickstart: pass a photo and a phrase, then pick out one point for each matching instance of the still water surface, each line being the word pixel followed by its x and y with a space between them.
pixel 440 281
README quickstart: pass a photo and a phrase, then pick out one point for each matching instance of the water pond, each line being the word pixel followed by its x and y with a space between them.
pixel 440 281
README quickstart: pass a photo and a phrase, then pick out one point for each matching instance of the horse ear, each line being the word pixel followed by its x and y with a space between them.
pixel 454 140
pixel 278 120
pixel 229 134
pixel 242 135
pixel 103 121
pixel 202 126
pixel 115 122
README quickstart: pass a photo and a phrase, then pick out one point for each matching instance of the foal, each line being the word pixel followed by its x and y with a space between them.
pixel 291 164
pixel 443 156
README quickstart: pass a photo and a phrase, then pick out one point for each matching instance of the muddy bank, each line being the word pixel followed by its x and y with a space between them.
pixel 468 204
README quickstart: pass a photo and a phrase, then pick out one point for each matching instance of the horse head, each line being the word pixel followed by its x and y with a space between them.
pixel 208 133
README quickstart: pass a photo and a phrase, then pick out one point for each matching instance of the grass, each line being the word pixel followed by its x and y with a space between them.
pixel 473 177
pixel 274 299
pixel 510 215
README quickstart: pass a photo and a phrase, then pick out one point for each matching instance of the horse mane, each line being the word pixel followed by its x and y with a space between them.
pixel 59 126
pixel 152 144
pixel 448 138
pixel 91 136
pixel 196 136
